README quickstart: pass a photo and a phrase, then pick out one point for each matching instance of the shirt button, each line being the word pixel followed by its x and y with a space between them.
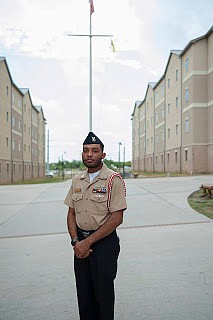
pixel 86 198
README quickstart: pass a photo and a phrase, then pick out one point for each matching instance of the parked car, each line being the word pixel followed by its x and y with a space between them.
pixel 49 174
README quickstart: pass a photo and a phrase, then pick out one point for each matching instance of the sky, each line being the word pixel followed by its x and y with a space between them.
pixel 55 67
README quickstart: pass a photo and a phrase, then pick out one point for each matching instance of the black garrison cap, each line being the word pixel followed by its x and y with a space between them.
pixel 92 139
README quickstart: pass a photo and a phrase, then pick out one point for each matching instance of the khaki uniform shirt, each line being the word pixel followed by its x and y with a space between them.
pixel 89 199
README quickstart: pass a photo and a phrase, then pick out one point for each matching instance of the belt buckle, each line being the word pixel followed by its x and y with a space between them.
pixel 85 233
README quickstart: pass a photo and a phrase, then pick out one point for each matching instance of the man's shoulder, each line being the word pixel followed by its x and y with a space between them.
pixel 107 171
pixel 80 175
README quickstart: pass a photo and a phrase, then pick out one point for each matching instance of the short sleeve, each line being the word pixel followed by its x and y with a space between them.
pixel 68 200
pixel 118 198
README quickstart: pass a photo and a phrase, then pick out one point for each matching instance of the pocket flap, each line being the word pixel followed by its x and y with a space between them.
pixel 99 197
pixel 77 196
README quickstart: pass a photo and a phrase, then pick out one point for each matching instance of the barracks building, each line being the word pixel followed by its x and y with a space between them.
pixel 22 132
pixel 172 127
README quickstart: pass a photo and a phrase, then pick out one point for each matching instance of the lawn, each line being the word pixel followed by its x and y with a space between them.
pixel 203 205
pixel 42 180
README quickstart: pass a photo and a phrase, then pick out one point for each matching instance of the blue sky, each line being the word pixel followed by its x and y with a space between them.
pixel 55 67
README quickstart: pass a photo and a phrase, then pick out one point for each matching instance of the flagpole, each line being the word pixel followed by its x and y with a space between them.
pixel 90 75
pixel 90 35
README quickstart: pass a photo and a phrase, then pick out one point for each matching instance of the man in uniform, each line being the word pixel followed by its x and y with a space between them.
pixel 96 203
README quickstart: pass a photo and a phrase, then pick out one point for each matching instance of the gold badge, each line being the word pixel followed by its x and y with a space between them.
pixel 77 190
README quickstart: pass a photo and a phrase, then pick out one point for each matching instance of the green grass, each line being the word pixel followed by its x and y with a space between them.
pixel 203 205
pixel 41 180
pixel 144 174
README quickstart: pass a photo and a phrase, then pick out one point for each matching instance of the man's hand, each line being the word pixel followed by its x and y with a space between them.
pixel 82 249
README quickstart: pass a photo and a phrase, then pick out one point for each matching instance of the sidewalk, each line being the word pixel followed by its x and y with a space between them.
pixel 165 266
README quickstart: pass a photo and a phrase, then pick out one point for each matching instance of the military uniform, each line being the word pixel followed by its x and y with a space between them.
pixel 95 274
pixel 89 199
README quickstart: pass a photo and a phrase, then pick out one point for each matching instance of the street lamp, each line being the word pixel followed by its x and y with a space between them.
pixel 119 155
pixel 62 166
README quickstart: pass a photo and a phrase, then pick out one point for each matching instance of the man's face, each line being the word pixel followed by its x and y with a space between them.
pixel 92 155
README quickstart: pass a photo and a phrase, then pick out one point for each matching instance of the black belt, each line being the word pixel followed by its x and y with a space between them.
pixel 85 233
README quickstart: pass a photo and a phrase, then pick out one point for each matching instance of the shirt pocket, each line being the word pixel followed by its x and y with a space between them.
pixel 76 197
pixel 99 203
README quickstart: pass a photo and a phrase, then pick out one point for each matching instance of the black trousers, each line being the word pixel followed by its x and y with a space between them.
pixel 95 279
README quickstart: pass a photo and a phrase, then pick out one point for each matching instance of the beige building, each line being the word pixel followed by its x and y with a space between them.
pixel 22 137
pixel 172 127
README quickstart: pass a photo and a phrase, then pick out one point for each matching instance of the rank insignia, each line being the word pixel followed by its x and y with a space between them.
pixel 77 190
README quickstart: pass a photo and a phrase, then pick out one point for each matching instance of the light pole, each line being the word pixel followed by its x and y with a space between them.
pixel 62 166
pixel 119 156
pixel 124 163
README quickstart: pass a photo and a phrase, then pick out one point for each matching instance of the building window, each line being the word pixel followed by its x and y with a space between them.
pixel 147 105
pixel 187 95
pixel 0 166
pixel 187 65
pixel 156 117
pixel 168 157
pixel 19 146
pixel 168 83
pixel 187 125
pixel 29 149
pixel 176 102
pixel 14 168
pixel 13 121
pixel 168 133
pixel 7 90
pixel 156 96
pixel 25 167
pixel 156 159
pixel 162 159
pixel 19 167
pixel 7 116
pixel 151 120
pixel 176 157
pixel 157 138
pixel 162 135
pixel 176 75
pixel 162 113
pixel 25 127
pixel 176 129
pixel 186 155
pixel 162 90
pixel 25 147
pixel 13 97
pixel 13 144
pixel 147 142
pixel 147 124
pixel 19 124
pixel 151 140
pixel 7 141
pixel 168 108
pixel 8 167
pixel 25 107
pixel 19 104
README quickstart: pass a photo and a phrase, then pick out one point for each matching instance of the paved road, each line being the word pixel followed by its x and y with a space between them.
pixel 165 266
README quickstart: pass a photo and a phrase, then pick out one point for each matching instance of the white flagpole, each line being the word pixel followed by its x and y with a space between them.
pixel 90 35
pixel 90 75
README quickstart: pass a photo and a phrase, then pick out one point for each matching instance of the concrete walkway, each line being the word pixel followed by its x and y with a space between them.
pixel 165 265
